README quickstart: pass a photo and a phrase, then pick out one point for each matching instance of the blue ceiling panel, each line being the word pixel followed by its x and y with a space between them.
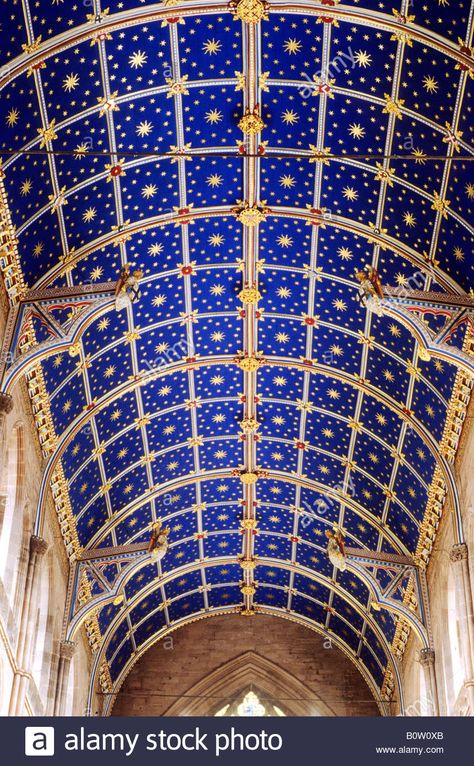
pixel 123 143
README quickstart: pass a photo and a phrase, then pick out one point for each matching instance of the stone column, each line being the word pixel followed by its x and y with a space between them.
pixel 38 548
pixel 6 406
pixel 427 661
pixel 460 561
pixel 66 653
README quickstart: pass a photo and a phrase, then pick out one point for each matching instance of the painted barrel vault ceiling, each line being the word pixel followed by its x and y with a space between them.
pixel 121 143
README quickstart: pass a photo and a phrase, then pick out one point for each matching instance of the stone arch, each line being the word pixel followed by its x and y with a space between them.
pixel 210 661
pixel 250 671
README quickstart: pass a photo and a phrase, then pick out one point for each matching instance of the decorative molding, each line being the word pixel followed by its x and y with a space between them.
pixel 459 552
pixel 6 404
pixel 105 679
pixel 9 259
pixel 249 11
pixel 427 657
pixel 457 408
pixel 251 123
pixel 388 686
pixel 251 215
pixel 67 649
pixel 437 493
pixel 38 545
pixel 62 501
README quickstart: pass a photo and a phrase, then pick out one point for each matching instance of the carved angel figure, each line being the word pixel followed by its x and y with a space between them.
pixel 371 292
pixel 158 544
pixel 127 290
pixel 335 549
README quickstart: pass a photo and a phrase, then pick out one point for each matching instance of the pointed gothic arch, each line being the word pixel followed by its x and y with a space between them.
pixel 250 671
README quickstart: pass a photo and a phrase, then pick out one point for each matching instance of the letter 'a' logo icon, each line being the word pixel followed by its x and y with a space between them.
pixel 39 740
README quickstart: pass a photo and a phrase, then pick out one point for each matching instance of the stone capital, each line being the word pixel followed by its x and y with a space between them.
pixel 427 657
pixel 458 552
pixel 6 404
pixel 38 545
pixel 67 649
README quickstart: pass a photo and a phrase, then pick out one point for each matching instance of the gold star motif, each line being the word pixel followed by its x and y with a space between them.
pixel 214 116
pixel 345 253
pixel 284 240
pixel 420 156
pixel 214 180
pixel 144 128
pixel 430 84
pixel 26 187
pixel 349 193
pixel 470 190
pixel 211 47
pixel 70 82
pixel 155 249
pixel 292 46
pixel 89 215
pixel 136 60
pixel 290 117
pixel 287 181
pixel 12 117
pixel 356 130
pixel 363 58
pixel 149 190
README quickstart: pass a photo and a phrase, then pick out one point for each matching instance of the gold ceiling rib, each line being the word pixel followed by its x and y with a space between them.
pixel 371 234
pixel 103 25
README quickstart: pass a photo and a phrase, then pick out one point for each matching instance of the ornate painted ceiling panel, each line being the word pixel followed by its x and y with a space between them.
pixel 123 142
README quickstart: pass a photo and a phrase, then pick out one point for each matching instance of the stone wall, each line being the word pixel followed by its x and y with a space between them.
pixel 46 626
pixel 171 669
pixel 448 629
